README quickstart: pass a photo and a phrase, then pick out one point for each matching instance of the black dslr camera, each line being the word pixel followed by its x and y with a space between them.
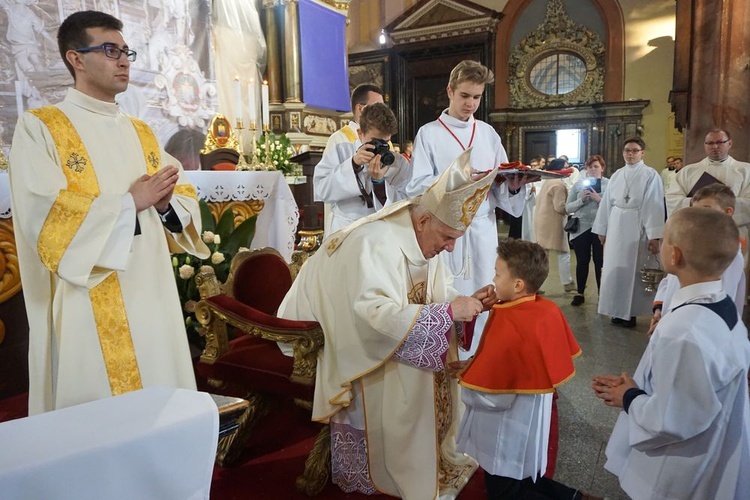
pixel 381 148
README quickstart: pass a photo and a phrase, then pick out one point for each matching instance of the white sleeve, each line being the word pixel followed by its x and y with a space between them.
pixel 334 178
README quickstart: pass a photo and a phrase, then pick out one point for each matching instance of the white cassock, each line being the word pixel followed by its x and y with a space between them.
pixel 335 183
pixel 472 261
pixel 631 213
pixel 733 282
pixel 734 174
pixel 529 209
pixel 688 437
pixel 347 133
pixel 66 362
pixel 508 434
pixel 383 310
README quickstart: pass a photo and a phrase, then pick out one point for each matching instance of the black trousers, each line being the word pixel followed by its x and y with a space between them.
pixel 585 246
pixel 505 488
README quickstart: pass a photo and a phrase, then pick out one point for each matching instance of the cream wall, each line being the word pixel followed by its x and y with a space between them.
pixel 649 61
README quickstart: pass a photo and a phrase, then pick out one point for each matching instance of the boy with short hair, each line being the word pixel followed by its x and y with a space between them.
pixel 359 178
pixel 685 427
pixel 526 351
pixel 717 197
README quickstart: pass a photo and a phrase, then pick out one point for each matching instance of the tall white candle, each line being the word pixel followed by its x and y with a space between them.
pixel 264 98
pixel 251 104
pixel 237 98
pixel 19 98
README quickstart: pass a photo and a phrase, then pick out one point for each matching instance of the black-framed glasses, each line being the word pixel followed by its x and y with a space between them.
pixel 716 143
pixel 632 151
pixel 110 50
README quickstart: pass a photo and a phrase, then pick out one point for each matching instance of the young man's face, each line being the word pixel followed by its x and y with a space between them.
pixel 632 153
pixel 97 75
pixel 505 284
pixel 465 99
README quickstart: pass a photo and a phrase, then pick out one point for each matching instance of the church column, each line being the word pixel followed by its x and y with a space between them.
pixel 292 75
pixel 712 62
pixel 272 44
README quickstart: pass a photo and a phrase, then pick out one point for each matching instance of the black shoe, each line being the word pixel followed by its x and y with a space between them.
pixel 624 323
pixel 578 300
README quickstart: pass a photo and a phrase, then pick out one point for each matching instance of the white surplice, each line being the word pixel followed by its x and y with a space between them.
pixel 628 225
pixel 347 133
pixel 472 262
pixel 688 437
pixel 508 434
pixel 335 183
pixel 66 365
pixel 402 419
pixel 734 174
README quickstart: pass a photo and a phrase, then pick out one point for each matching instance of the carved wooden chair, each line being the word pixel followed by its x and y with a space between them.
pixel 251 366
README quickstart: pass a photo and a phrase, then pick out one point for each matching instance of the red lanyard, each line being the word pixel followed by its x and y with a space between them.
pixel 471 141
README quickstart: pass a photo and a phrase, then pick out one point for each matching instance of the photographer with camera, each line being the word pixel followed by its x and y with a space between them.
pixel 363 176
pixel 583 203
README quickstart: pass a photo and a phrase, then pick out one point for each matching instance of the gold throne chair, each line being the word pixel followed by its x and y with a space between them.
pixel 251 366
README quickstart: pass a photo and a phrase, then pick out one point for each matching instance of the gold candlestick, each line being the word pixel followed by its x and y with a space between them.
pixel 269 163
pixel 254 162
pixel 241 163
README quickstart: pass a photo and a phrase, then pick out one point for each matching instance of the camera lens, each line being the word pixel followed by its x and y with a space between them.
pixel 386 157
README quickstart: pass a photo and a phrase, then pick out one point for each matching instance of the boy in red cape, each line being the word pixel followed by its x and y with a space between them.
pixel 525 352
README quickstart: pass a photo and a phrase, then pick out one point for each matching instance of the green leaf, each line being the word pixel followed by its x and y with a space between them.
pixel 207 220
pixel 226 225
pixel 241 237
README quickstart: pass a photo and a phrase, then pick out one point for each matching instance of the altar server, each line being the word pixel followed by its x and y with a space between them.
pixel 97 207
pixel 437 144
pixel 684 431
pixel 629 222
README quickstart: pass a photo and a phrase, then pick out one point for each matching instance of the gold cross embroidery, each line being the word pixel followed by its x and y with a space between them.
pixel 153 160
pixel 76 162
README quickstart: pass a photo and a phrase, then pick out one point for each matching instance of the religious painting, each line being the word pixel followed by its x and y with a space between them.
pixel 373 69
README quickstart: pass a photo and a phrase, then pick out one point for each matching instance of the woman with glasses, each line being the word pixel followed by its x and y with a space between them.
pixel 583 203
pixel 629 222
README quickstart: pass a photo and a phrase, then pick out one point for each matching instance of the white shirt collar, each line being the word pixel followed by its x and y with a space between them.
pixel 455 122
pixel 92 104
pixel 707 291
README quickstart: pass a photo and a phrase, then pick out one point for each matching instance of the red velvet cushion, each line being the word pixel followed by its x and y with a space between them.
pixel 242 311
pixel 262 281
pixel 255 364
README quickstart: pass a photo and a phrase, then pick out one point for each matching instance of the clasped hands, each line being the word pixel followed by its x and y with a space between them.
pixel 155 190
pixel 611 388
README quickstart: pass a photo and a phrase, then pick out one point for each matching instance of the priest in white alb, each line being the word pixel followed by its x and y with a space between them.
pixel 387 309
pixel 97 207
pixel 717 166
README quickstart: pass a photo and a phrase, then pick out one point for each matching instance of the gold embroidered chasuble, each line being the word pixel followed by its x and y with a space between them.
pixel 409 415
pixel 103 310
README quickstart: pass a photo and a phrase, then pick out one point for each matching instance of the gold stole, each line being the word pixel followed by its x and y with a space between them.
pixel 63 222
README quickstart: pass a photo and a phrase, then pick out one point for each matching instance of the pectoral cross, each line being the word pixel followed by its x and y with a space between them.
pixel 627 198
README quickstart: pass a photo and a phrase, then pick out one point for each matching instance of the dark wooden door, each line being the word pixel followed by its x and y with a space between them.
pixel 538 143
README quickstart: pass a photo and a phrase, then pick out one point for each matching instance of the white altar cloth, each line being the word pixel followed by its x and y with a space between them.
pixel 277 222
pixel 156 443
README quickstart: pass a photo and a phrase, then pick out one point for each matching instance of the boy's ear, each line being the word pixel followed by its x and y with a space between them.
pixel 729 211
pixel 676 257
pixel 361 135
pixel 519 285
